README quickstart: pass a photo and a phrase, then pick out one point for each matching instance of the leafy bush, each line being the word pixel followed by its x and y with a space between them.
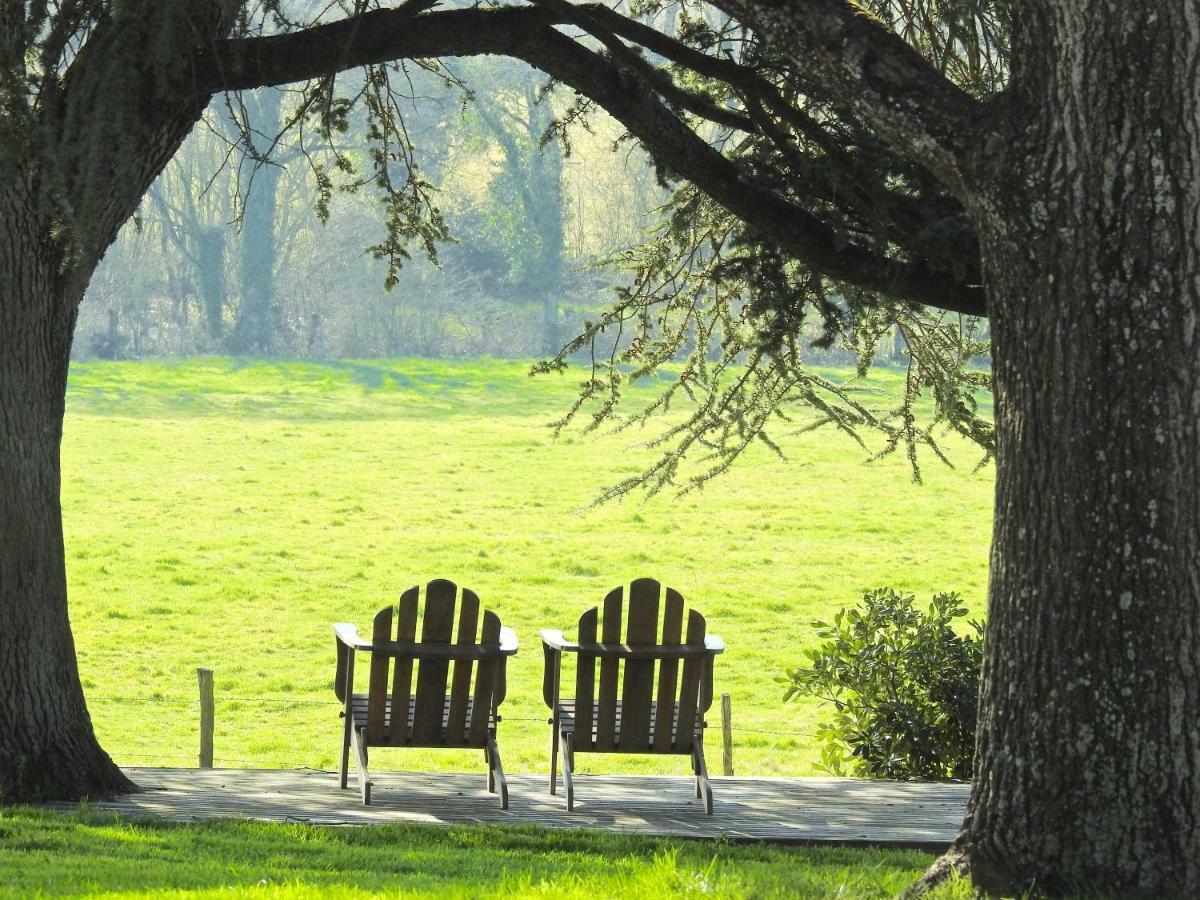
pixel 903 684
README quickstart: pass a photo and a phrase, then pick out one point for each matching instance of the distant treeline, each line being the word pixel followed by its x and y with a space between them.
pixel 266 252
pixel 230 253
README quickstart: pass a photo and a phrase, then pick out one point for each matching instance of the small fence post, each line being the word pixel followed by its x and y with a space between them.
pixel 726 734
pixel 205 679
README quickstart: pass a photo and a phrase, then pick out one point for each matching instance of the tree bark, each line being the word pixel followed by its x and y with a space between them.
pixel 1088 764
pixel 103 137
pixel 47 747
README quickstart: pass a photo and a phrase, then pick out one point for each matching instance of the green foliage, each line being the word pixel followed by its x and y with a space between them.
pixel 747 319
pixel 389 165
pixel 742 326
pixel 904 687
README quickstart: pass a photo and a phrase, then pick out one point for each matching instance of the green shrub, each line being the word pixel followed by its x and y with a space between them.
pixel 903 685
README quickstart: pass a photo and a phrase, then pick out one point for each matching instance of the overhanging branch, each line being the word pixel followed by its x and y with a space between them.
pixel 862 66
pixel 792 228
pixel 528 33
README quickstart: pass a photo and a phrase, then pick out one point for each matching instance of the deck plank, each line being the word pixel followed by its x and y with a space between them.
pixel 786 810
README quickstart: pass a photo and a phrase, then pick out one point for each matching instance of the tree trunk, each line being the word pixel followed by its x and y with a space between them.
pixel 545 212
pixel 210 270
pixel 1088 767
pixel 47 747
pixel 61 205
pixel 255 329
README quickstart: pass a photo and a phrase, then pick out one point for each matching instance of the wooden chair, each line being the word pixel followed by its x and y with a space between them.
pixel 431 717
pixel 626 712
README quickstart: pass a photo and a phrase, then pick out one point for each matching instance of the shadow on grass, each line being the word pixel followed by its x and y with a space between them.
pixel 270 388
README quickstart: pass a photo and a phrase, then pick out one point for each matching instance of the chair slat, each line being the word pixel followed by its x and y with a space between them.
pixel 567 709
pixel 668 671
pixel 377 690
pixel 485 682
pixel 689 688
pixel 460 693
pixel 585 682
pixel 638 687
pixel 437 627
pixel 606 707
pixel 406 630
pixel 360 718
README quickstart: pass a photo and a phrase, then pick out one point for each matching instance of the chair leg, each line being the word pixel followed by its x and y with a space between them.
pixel 568 761
pixel 344 773
pixel 496 772
pixel 703 787
pixel 360 760
pixel 487 759
pixel 554 754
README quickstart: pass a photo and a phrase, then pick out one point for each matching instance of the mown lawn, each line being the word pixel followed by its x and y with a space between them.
pixel 223 513
pixel 47 854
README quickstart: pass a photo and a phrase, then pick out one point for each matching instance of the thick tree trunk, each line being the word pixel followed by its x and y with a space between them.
pixel 47 748
pixel 1088 769
pixel 120 115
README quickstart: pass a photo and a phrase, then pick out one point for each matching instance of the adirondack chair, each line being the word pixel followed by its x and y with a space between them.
pixel 429 716
pixel 626 713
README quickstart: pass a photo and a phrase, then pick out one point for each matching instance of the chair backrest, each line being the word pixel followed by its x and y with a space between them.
pixel 428 716
pixel 660 705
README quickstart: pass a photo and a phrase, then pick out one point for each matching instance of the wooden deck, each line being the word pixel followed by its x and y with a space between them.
pixel 789 810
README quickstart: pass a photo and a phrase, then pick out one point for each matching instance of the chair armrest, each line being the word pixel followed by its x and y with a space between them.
pixel 714 643
pixel 508 641
pixel 555 640
pixel 553 644
pixel 347 643
pixel 508 647
pixel 347 634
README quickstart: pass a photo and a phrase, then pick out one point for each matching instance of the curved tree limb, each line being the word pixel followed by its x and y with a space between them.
pixel 528 33
pixel 588 18
pixel 908 220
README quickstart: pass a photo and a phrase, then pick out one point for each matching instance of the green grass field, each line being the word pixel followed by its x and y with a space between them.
pixel 48 854
pixel 223 513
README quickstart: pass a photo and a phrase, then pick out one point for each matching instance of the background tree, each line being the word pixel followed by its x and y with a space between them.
pixel 529 191
pixel 257 317
pixel 191 222
pixel 500 288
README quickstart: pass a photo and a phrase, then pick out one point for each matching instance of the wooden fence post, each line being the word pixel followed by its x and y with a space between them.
pixel 207 708
pixel 727 734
